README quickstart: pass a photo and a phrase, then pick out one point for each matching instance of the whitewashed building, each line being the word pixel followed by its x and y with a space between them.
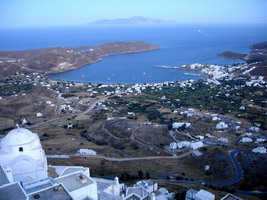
pixel 199 195
pixel 259 150
pixel 176 125
pixel 188 144
pixel 88 152
pixel 246 140
pixel 22 152
pixel 221 125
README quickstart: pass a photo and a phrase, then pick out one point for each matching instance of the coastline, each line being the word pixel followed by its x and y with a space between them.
pixel 62 59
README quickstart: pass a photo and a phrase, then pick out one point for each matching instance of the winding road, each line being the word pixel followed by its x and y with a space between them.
pixel 232 154
pixel 91 107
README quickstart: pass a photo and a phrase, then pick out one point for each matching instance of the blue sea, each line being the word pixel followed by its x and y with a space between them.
pixel 180 45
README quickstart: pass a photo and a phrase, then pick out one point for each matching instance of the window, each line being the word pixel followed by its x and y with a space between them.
pixel 37 196
pixel 20 149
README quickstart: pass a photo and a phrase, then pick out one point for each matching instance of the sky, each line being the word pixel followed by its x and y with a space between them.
pixel 35 13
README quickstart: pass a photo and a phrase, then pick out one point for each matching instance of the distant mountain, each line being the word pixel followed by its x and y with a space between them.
pixel 134 21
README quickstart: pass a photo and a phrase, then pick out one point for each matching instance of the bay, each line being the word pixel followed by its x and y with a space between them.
pixel 180 45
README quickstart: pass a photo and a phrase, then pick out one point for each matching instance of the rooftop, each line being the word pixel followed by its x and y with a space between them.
pixel 57 192
pixel 12 191
pixel 70 170
pixel 74 181
pixel 135 190
pixel 205 195
pixel 38 185
pixel 105 196
pixel 103 184
pixel 145 182
pixel 230 197
pixel 133 197
pixel 3 178
pixel 19 136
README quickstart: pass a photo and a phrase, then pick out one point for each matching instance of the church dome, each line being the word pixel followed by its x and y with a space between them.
pixel 19 136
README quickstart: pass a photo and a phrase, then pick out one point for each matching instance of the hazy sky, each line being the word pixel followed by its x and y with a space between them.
pixel 26 13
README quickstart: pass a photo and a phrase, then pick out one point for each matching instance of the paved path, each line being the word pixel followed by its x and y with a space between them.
pixel 125 159
pixel 237 177
pixel 91 107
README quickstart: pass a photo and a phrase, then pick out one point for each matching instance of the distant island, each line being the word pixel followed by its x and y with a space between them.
pixel 134 21
pixel 60 59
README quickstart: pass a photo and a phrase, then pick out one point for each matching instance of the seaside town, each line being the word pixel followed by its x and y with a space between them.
pixel 223 114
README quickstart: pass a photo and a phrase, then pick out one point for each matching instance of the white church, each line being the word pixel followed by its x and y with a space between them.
pixel 24 176
pixel 22 153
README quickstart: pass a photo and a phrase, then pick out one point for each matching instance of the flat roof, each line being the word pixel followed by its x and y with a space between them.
pixel 74 181
pixel 3 178
pixel 103 184
pixel 12 191
pixel 57 192
pixel 70 170
pixel 105 196
pixel 38 185
pixel 231 197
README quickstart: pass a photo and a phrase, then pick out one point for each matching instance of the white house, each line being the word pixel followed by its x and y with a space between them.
pixel 196 145
pixel 221 125
pixel 215 118
pixel 39 114
pixel 246 140
pixel 259 150
pixel 191 145
pixel 254 128
pixel 176 125
pixel 149 185
pixel 24 121
pixel 260 140
pixel 201 137
pixel 199 195
pixel 88 152
pixel 173 145
pixel 225 140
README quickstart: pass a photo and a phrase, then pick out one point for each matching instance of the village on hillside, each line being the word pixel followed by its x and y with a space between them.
pixel 207 130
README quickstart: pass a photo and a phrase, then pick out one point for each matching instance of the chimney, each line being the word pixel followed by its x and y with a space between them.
pixel 153 197
pixel 81 178
pixel 116 180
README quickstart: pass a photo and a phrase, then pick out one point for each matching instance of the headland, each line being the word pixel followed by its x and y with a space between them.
pixel 60 59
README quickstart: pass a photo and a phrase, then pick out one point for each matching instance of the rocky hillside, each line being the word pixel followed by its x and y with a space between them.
pixel 59 59
pixel 256 59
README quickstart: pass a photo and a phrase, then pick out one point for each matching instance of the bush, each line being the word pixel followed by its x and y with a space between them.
pixel 153 115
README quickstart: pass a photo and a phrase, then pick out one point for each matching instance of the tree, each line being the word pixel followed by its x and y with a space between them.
pixel 147 175
pixel 153 115
pixel 180 195
pixel 140 174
